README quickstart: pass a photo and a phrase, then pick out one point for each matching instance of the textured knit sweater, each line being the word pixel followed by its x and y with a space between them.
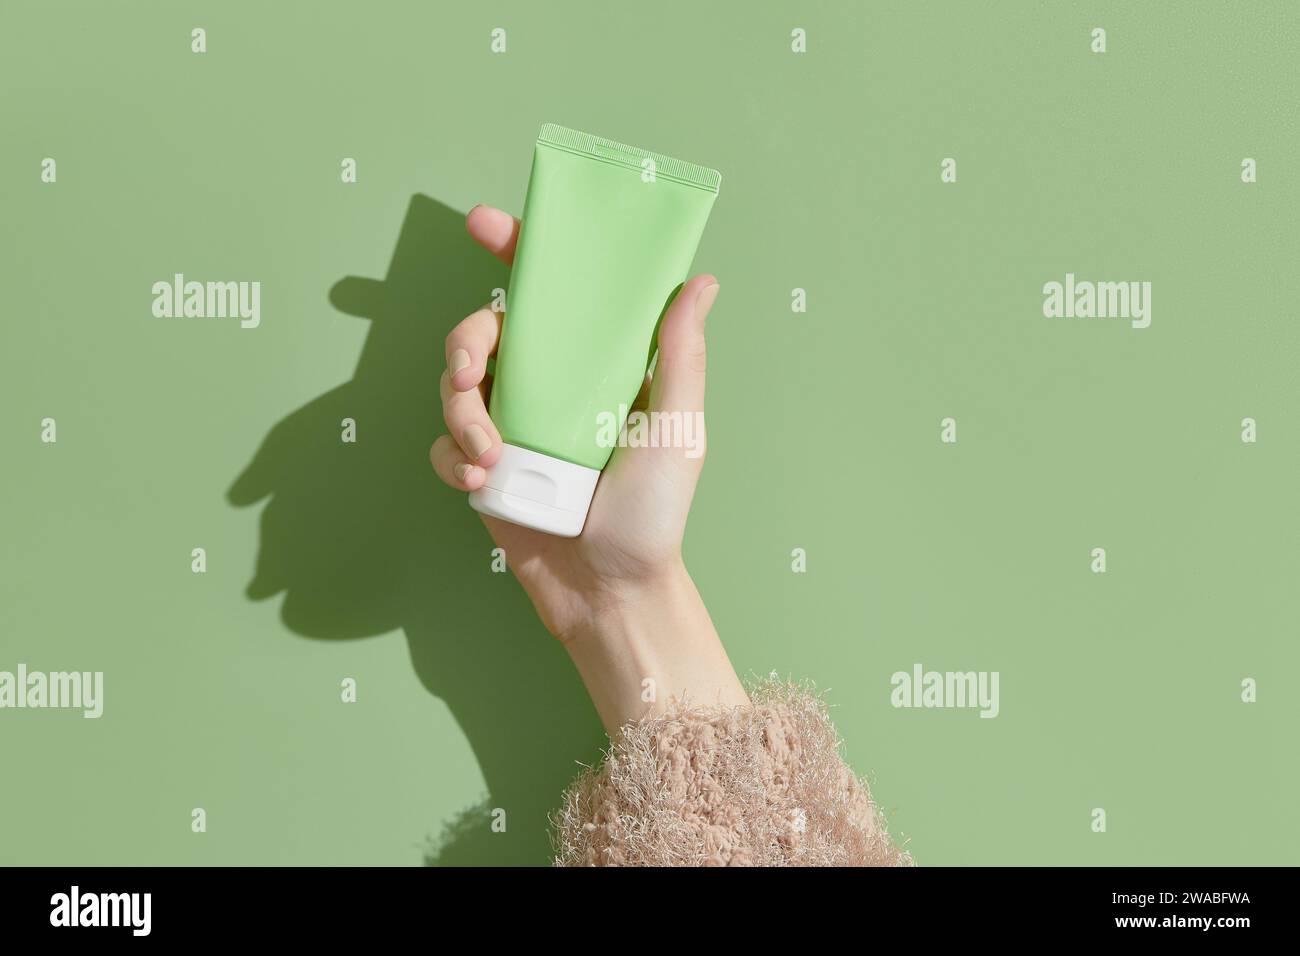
pixel 762 785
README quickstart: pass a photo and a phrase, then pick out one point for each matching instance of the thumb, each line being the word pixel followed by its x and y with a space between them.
pixel 678 384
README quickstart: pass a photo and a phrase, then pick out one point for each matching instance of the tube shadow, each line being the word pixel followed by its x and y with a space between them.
pixel 362 540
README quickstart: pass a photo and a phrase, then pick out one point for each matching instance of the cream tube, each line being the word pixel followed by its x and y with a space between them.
pixel 608 235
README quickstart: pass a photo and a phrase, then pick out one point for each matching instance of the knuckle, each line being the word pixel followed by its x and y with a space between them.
pixel 458 404
pixel 696 356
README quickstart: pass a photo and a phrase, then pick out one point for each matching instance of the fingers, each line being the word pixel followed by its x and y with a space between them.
pixel 469 345
pixel 678 384
pixel 468 423
pixel 496 231
pixel 450 465
pixel 474 445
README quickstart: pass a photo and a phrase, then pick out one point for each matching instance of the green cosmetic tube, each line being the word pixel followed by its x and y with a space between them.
pixel 609 232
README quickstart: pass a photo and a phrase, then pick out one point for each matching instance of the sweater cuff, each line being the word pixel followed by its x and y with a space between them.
pixel 762 785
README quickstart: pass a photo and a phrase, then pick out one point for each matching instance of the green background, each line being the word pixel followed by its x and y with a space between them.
pixel 1119 691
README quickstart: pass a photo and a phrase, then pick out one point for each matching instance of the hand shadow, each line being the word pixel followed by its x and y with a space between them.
pixel 363 539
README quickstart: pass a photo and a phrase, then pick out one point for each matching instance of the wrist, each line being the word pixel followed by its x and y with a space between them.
pixel 645 643
pixel 610 612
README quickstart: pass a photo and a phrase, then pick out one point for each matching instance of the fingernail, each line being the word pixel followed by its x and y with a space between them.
pixel 459 360
pixel 462 470
pixel 475 440
pixel 704 301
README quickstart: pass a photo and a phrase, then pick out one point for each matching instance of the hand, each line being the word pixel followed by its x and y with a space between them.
pixel 625 571
pixel 634 530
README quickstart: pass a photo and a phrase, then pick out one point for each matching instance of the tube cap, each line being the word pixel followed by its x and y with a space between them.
pixel 537 491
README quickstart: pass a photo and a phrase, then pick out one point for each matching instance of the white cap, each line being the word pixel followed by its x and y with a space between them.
pixel 537 491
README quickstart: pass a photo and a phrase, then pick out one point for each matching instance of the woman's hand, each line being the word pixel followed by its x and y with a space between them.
pixel 618 595
pixel 634 529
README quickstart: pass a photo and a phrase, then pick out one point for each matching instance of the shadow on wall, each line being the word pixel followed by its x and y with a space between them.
pixel 363 539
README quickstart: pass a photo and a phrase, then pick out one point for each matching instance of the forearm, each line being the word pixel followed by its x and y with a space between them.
pixel 696 773
pixel 643 646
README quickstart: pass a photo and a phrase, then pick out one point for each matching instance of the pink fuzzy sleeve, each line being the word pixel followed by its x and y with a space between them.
pixel 751 786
